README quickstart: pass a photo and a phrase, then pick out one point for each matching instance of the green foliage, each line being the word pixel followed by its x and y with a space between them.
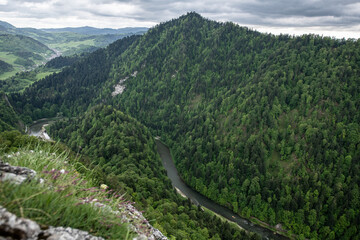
pixel 126 153
pixel 21 45
pixel 67 202
pixel 269 122
pixel 22 80
pixel 79 84
pixel 8 118
pixel 5 67
pixel 20 53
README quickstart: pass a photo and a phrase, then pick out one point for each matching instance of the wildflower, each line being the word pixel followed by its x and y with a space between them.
pixel 104 186
pixel 69 194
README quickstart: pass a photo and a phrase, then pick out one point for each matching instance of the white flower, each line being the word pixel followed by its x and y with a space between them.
pixel 104 186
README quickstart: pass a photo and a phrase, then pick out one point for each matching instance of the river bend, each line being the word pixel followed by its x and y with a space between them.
pixel 201 200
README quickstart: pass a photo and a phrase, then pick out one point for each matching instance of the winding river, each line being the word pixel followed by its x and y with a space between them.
pixel 37 129
pixel 201 200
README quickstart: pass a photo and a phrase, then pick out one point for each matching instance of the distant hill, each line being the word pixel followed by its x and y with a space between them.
pixel 21 53
pixel 97 31
pixel 64 41
pixel 6 25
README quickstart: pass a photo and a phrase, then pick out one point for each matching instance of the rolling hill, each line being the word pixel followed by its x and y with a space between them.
pixel 21 53
pixel 19 47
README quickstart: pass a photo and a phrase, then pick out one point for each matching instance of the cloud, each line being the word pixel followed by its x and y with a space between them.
pixel 338 16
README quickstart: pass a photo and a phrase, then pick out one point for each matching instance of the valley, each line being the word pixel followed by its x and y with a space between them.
pixel 19 47
pixel 261 127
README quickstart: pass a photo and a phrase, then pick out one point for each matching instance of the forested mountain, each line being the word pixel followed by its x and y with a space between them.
pixel 267 126
pixel 125 152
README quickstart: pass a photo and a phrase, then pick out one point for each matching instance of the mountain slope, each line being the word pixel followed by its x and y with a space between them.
pixel 21 52
pixel 19 47
pixel 126 152
pixel 265 125
pixel 9 119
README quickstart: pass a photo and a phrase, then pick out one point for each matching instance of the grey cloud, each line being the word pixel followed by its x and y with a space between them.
pixel 271 13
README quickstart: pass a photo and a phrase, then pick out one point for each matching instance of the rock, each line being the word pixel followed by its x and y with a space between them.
pixel 279 227
pixel 14 174
pixel 129 214
pixel 61 233
pixel 158 235
pixel 13 227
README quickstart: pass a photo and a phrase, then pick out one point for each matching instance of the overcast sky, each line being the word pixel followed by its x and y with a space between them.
pixel 338 18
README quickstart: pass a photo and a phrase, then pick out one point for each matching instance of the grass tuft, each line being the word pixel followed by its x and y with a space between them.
pixel 66 197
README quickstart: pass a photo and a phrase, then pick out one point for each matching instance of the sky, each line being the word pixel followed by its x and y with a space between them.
pixel 335 18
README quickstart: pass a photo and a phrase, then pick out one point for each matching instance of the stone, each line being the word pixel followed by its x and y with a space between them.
pixel 14 227
pixel 15 174
pixel 61 233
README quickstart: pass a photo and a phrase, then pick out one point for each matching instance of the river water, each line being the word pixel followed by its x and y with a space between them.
pixel 199 199
pixel 37 129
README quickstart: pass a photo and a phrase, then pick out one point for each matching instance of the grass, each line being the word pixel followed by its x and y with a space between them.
pixel 11 58
pixel 68 48
pixel 43 74
pixel 66 198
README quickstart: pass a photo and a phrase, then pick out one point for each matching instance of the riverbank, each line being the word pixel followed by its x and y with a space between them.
pixel 204 202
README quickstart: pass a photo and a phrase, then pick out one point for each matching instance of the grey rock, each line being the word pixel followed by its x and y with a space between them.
pixel 61 233
pixel 13 227
pixel 15 174
pixel 158 235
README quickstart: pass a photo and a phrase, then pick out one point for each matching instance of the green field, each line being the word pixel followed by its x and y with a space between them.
pixel 71 47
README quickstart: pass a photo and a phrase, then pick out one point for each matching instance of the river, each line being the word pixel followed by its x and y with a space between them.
pixel 201 200
pixel 37 128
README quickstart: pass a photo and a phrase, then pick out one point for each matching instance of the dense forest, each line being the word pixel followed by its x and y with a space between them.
pixel 125 152
pixel 265 125
pixel 9 120
pixel 5 67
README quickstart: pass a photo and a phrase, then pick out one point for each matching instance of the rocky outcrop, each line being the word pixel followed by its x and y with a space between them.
pixel 13 227
pixel 140 225
pixel 15 174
